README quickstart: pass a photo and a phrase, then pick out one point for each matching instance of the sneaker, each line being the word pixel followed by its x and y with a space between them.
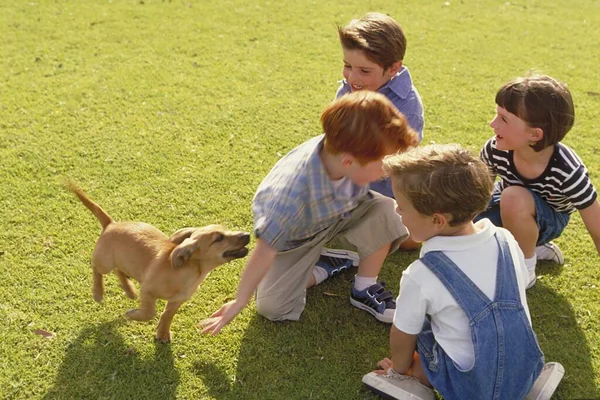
pixel 545 385
pixel 339 253
pixel 549 252
pixel 375 300
pixel 532 279
pixel 336 261
pixel 398 387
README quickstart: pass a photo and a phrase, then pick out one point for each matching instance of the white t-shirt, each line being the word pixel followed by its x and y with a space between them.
pixel 421 292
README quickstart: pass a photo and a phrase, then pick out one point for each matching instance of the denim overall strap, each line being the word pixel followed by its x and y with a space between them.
pixel 507 289
pixel 468 296
pixel 507 356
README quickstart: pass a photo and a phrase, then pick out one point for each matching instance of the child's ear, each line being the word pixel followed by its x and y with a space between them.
pixel 440 221
pixel 393 70
pixel 347 160
pixel 536 134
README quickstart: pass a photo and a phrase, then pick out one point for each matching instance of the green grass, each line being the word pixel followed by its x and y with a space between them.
pixel 172 112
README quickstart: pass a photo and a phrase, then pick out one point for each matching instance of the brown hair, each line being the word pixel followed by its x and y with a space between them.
pixel 380 37
pixel 542 102
pixel 445 179
pixel 366 125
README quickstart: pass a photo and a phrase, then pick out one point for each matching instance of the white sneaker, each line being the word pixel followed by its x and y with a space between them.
pixel 532 280
pixel 339 253
pixel 549 252
pixel 545 385
pixel 398 387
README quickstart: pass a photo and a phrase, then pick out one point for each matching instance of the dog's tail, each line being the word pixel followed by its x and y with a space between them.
pixel 98 212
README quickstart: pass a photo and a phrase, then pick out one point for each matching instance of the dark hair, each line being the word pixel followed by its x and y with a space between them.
pixel 542 102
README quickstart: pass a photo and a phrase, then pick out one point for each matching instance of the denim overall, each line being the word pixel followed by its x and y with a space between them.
pixel 508 358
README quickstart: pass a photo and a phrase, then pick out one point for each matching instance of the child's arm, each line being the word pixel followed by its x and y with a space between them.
pixel 402 346
pixel 257 266
pixel 591 218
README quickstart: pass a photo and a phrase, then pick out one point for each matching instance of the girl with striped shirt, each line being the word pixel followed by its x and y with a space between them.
pixel 542 181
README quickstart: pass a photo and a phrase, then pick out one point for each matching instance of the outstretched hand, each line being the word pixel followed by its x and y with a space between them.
pixel 221 317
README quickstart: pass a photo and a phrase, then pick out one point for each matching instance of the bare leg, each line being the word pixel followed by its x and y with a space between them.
pixel 311 281
pixel 163 334
pixel 371 265
pixel 416 370
pixel 517 208
pixel 147 308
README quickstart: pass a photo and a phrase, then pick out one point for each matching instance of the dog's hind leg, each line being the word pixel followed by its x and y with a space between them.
pixel 126 284
pixel 163 333
pixel 147 309
pixel 97 285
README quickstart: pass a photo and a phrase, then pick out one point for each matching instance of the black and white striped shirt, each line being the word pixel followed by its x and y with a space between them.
pixel 565 184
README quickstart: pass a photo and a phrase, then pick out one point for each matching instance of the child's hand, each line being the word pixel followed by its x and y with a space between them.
pixel 384 365
pixel 221 317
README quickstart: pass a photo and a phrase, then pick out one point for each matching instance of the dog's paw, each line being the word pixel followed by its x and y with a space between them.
pixel 97 297
pixel 162 338
pixel 134 314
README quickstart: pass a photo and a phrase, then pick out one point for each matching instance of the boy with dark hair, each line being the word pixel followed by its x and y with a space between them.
pixel 318 192
pixel 462 323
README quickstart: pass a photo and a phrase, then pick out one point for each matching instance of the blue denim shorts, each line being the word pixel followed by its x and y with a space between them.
pixel 550 222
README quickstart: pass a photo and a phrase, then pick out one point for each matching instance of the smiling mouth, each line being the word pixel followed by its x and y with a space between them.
pixel 357 87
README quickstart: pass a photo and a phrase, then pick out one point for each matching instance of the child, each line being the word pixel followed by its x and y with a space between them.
pixel 542 180
pixel 468 284
pixel 374 48
pixel 317 192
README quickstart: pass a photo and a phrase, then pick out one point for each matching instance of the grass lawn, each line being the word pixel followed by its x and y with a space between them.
pixel 172 112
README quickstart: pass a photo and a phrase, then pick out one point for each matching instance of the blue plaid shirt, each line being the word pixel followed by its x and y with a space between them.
pixel 297 199
pixel 403 94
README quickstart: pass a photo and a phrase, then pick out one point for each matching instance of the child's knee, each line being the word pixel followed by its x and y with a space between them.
pixel 516 200
pixel 277 311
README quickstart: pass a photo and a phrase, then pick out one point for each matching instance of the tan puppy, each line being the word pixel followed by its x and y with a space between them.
pixel 166 268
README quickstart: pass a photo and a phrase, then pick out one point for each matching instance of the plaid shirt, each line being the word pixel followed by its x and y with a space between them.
pixel 297 199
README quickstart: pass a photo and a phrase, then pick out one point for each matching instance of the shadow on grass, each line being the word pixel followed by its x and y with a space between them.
pixel 325 354
pixel 562 339
pixel 98 364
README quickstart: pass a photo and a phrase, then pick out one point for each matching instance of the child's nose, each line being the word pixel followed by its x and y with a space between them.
pixel 352 78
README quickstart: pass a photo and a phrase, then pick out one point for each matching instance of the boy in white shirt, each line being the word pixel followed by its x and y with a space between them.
pixel 462 325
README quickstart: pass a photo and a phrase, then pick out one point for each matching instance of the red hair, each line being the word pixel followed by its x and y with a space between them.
pixel 366 125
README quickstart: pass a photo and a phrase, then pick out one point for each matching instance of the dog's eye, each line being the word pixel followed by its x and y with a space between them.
pixel 219 237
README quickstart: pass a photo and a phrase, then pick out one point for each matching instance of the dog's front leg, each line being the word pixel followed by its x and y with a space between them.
pixel 163 334
pixel 147 308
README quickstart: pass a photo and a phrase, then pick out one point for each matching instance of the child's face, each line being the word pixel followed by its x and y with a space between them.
pixel 363 74
pixel 421 227
pixel 512 133
pixel 364 174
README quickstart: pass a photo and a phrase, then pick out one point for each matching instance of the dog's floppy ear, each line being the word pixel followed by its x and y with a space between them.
pixel 182 234
pixel 181 253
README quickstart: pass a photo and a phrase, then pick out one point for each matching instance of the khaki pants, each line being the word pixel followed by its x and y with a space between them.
pixel 281 295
